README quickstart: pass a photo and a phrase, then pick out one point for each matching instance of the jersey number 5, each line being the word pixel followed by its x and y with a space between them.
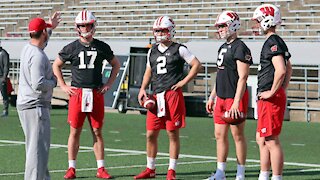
pixel 82 64
pixel 221 56
pixel 161 65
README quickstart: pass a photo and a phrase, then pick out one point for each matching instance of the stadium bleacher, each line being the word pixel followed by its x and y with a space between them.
pixel 133 20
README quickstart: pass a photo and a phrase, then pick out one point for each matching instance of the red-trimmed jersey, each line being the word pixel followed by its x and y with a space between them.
pixel 273 46
pixel 86 62
pixel 227 75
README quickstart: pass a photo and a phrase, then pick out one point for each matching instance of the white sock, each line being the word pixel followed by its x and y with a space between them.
pixel 100 163
pixel 264 175
pixel 221 166
pixel 276 177
pixel 172 164
pixel 151 163
pixel 72 163
pixel 240 170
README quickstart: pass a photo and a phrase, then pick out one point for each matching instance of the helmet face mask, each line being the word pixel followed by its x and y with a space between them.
pixel 163 29
pixel 85 24
pixel 228 23
pixel 267 15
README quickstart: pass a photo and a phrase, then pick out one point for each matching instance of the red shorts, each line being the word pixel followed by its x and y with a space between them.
pixel 175 113
pixel 223 105
pixel 271 113
pixel 76 117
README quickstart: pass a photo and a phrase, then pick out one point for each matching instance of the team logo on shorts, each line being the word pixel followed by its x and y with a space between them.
pixel 264 130
pixel 177 123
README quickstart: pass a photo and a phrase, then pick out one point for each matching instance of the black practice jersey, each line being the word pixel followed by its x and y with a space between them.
pixel 227 75
pixel 86 62
pixel 273 46
pixel 167 67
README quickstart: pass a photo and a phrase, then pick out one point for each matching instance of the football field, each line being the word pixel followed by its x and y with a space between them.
pixel 124 136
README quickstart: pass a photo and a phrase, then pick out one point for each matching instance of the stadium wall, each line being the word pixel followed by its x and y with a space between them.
pixel 305 53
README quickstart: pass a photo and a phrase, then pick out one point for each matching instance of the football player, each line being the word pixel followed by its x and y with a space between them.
pixel 274 73
pixel 86 56
pixel 165 64
pixel 230 93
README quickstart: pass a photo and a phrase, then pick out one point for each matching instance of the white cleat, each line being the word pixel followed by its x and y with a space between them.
pixel 239 178
pixel 217 176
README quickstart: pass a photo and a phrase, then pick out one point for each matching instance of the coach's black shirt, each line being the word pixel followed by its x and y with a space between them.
pixel 86 62
pixel 227 75
pixel 167 67
pixel 273 46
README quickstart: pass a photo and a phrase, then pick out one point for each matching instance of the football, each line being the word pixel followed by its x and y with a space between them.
pixel 229 120
pixel 149 102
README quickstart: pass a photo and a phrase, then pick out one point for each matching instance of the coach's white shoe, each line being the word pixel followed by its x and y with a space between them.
pixel 219 175
pixel 239 178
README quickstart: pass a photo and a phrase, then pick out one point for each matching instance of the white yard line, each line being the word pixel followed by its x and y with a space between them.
pixel 5 145
pixel 297 144
pixel 125 154
pixel 115 167
pixel 309 170
pixel 82 151
pixel 209 158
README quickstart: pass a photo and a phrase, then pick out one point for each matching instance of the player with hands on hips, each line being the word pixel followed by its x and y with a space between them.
pixel 274 73
pixel 165 64
pixel 86 56
pixel 230 94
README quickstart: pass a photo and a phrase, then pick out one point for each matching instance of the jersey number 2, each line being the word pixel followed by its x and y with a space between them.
pixel 82 64
pixel 161 65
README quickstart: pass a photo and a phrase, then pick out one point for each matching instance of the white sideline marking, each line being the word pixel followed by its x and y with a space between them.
pixel 184 136
pixel 114 132
pixel 5 145
pixel 83 151
pixel 308 170
pixel 167 154
pixel 54 147
pixel 298 144
pixel 124 154
pixel 158 158
pixel 252 165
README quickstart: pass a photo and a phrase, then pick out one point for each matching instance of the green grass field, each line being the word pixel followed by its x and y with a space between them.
pixel 125 149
